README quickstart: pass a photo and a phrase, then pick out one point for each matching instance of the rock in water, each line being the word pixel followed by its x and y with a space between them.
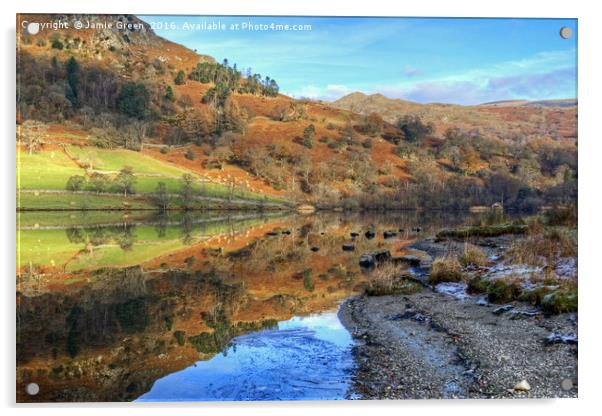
pixel 502 309
pixel 522 386
pixel 367 261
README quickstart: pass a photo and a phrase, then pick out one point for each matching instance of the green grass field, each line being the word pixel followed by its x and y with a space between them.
pixel 51 169
pixel 45 170
pixel 116 159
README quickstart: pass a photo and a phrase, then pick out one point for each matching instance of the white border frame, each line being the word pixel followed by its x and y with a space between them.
pixel 589 152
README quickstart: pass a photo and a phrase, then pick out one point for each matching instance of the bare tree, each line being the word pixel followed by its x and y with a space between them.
pixel 32 133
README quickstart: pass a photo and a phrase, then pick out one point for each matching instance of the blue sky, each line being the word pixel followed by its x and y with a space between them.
pixel 462 61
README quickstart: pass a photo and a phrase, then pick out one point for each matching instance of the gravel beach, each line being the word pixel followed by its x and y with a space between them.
pixel 432 345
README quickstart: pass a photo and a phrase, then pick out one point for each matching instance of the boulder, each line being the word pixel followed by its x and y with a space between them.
pixel 348 247
pixel 389 234
pixel 370 234
pixel 315 249
pixel 367 261
pixel 370 260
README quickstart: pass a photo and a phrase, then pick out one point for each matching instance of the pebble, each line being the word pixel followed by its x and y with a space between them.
pixel 522 386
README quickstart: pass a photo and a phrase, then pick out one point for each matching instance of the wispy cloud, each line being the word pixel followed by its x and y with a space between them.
pixel 545 75
pixel 544 85
pixel 410 71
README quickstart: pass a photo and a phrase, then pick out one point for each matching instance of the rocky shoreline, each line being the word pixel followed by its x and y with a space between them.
pixel 437 344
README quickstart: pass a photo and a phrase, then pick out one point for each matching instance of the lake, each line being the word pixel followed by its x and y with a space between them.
pixel 194 307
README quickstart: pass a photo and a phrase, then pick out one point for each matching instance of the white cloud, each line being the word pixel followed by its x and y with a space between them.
pixel 558 83
pixel 331 92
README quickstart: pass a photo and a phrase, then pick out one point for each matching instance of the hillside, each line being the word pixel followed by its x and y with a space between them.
pixel 500 119
pixel 113 99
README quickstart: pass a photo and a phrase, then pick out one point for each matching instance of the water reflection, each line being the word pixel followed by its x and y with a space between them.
pixel 304 358
pixel 106 308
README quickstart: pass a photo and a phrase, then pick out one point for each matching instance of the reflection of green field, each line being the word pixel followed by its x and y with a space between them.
pixel 43 247
pixel 82 218
pixel 47 201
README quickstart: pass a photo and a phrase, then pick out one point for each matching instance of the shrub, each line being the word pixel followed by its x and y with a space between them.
pixel 413 128
pixel 446 269
pixel 561 301
pixel 477 285
pixel 180 78
pixel 372 124
pixel 57 44
pixel 535 296
pixel 503 290
pixel 76 183
pixel 169 95
pixel 308 281
pixel 99 182
pixel 190 154
pixel 180 337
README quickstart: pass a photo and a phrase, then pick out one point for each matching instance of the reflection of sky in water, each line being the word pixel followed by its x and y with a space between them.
pixel 304 358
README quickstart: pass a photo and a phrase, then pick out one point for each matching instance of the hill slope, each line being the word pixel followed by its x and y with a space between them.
pixel 132 98
pixel 501 119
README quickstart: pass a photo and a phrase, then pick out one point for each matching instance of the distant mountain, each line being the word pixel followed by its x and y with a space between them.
pixel 501 119
pixel 566 102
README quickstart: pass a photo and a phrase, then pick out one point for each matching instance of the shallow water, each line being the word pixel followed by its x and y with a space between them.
pixel 304 358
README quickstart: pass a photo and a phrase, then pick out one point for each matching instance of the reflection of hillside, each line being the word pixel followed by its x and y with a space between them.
pixel 58 249
pixel 107 334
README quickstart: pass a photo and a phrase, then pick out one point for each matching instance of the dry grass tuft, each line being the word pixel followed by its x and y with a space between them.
pixel 446 269
pixel 543 246
pixel 389 279
pixel 473 256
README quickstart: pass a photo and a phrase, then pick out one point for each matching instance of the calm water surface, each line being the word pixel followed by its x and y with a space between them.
pixel 234 306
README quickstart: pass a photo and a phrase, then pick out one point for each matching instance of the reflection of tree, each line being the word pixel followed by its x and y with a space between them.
pixel 187 227
pixel 75 235
pixel 126 237
pixel 161 221
pixel 96 236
